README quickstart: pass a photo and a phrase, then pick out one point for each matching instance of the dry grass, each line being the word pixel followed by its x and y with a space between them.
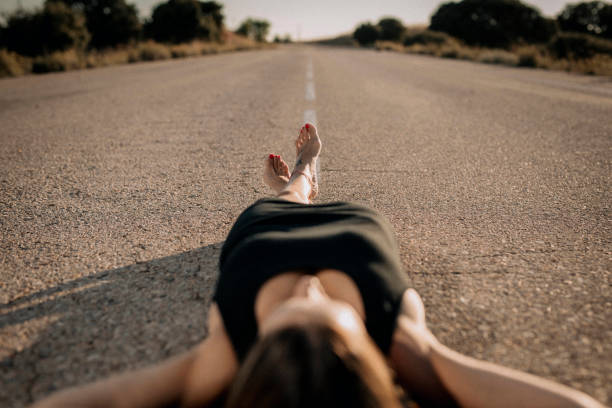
pixel 186 50
pixel 107 57
pixel 149 51
pixel 388 46
pixel 12 64
pixel 595 57
pixel 534 56
pixel 528 56
pixel 58 61
pixel 499 57
pixel 596 65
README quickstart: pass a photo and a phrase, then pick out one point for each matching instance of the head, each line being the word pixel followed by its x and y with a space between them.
pixel 313 351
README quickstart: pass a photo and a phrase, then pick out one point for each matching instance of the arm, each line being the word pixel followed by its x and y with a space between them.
pixel 409 356
pixel 194 378
pixel 159 385
pixel 426 366
pixel 480 384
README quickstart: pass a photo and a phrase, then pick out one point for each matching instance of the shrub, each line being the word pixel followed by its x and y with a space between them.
pixel 344 40
pixel 178 21
pixel 186 50
pixel 54 28
pixel 107 57
pixel 110 22
pixel 500 57
pixel 598 65
pixel 528 56
pixel 285 40
pixel 593 17
pixel 11 64
pixel 579 46
pixel 256 30
pixel 449 52
pixel 57 61
pixel 366 34
pixel 390 29
pixel 421 49
pixel 426 37
pixel 389 46
pixel 149 51
pixel 498 23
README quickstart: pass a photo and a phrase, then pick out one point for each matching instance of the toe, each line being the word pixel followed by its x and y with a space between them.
pixel 312 130
pixel 299 140
pixel 302 138
pixel 283 168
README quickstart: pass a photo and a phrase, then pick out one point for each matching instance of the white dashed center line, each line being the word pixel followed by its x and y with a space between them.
pixel 310 115
pixel 310 92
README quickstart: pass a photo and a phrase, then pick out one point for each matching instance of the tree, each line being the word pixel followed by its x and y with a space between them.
pixel 110 22
pixel 391 29
pixel 212 9
pixel 366 34
pixel 593 17
pixel 254 29
pixel 286 39
pixel 178 21
pixel 493 23
pixel 55 27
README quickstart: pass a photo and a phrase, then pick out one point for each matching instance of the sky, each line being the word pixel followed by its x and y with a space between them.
pixel 312 19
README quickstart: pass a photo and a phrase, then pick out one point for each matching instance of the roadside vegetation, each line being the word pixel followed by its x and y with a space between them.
pixel 75 34
pixel 506 32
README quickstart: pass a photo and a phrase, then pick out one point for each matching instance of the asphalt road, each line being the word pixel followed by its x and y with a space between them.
pixel 119 185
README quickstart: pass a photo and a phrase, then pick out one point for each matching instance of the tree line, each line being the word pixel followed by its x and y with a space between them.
pixel 97 24
pixel 499 23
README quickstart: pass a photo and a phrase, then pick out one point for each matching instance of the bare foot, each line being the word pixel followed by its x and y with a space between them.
pixel 276 173
pixel 308 146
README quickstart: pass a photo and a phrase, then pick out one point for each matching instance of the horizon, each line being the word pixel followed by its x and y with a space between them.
pixel 315 20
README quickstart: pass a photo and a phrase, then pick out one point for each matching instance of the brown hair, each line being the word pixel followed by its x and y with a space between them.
pixel 312 365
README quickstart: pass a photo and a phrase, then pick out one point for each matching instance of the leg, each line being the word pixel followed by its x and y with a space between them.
pixel 301 185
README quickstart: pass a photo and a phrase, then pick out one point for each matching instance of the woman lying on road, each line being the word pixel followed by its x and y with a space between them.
pixel 312 309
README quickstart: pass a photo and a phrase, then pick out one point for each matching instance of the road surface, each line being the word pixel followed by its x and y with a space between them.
pixel 119 185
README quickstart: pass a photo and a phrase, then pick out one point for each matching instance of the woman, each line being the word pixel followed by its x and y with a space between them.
pixel 312 308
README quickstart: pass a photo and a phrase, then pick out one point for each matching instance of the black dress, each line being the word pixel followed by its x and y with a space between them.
pixel 274 236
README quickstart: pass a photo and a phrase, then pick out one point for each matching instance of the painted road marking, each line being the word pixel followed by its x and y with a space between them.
pixel 310 92
pixel 310 116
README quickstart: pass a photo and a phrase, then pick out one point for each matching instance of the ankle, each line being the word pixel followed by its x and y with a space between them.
pixel 305 168
pixel 293 196
pixel 301 173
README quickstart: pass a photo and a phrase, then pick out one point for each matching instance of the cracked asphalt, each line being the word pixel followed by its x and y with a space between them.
pixel 119 185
